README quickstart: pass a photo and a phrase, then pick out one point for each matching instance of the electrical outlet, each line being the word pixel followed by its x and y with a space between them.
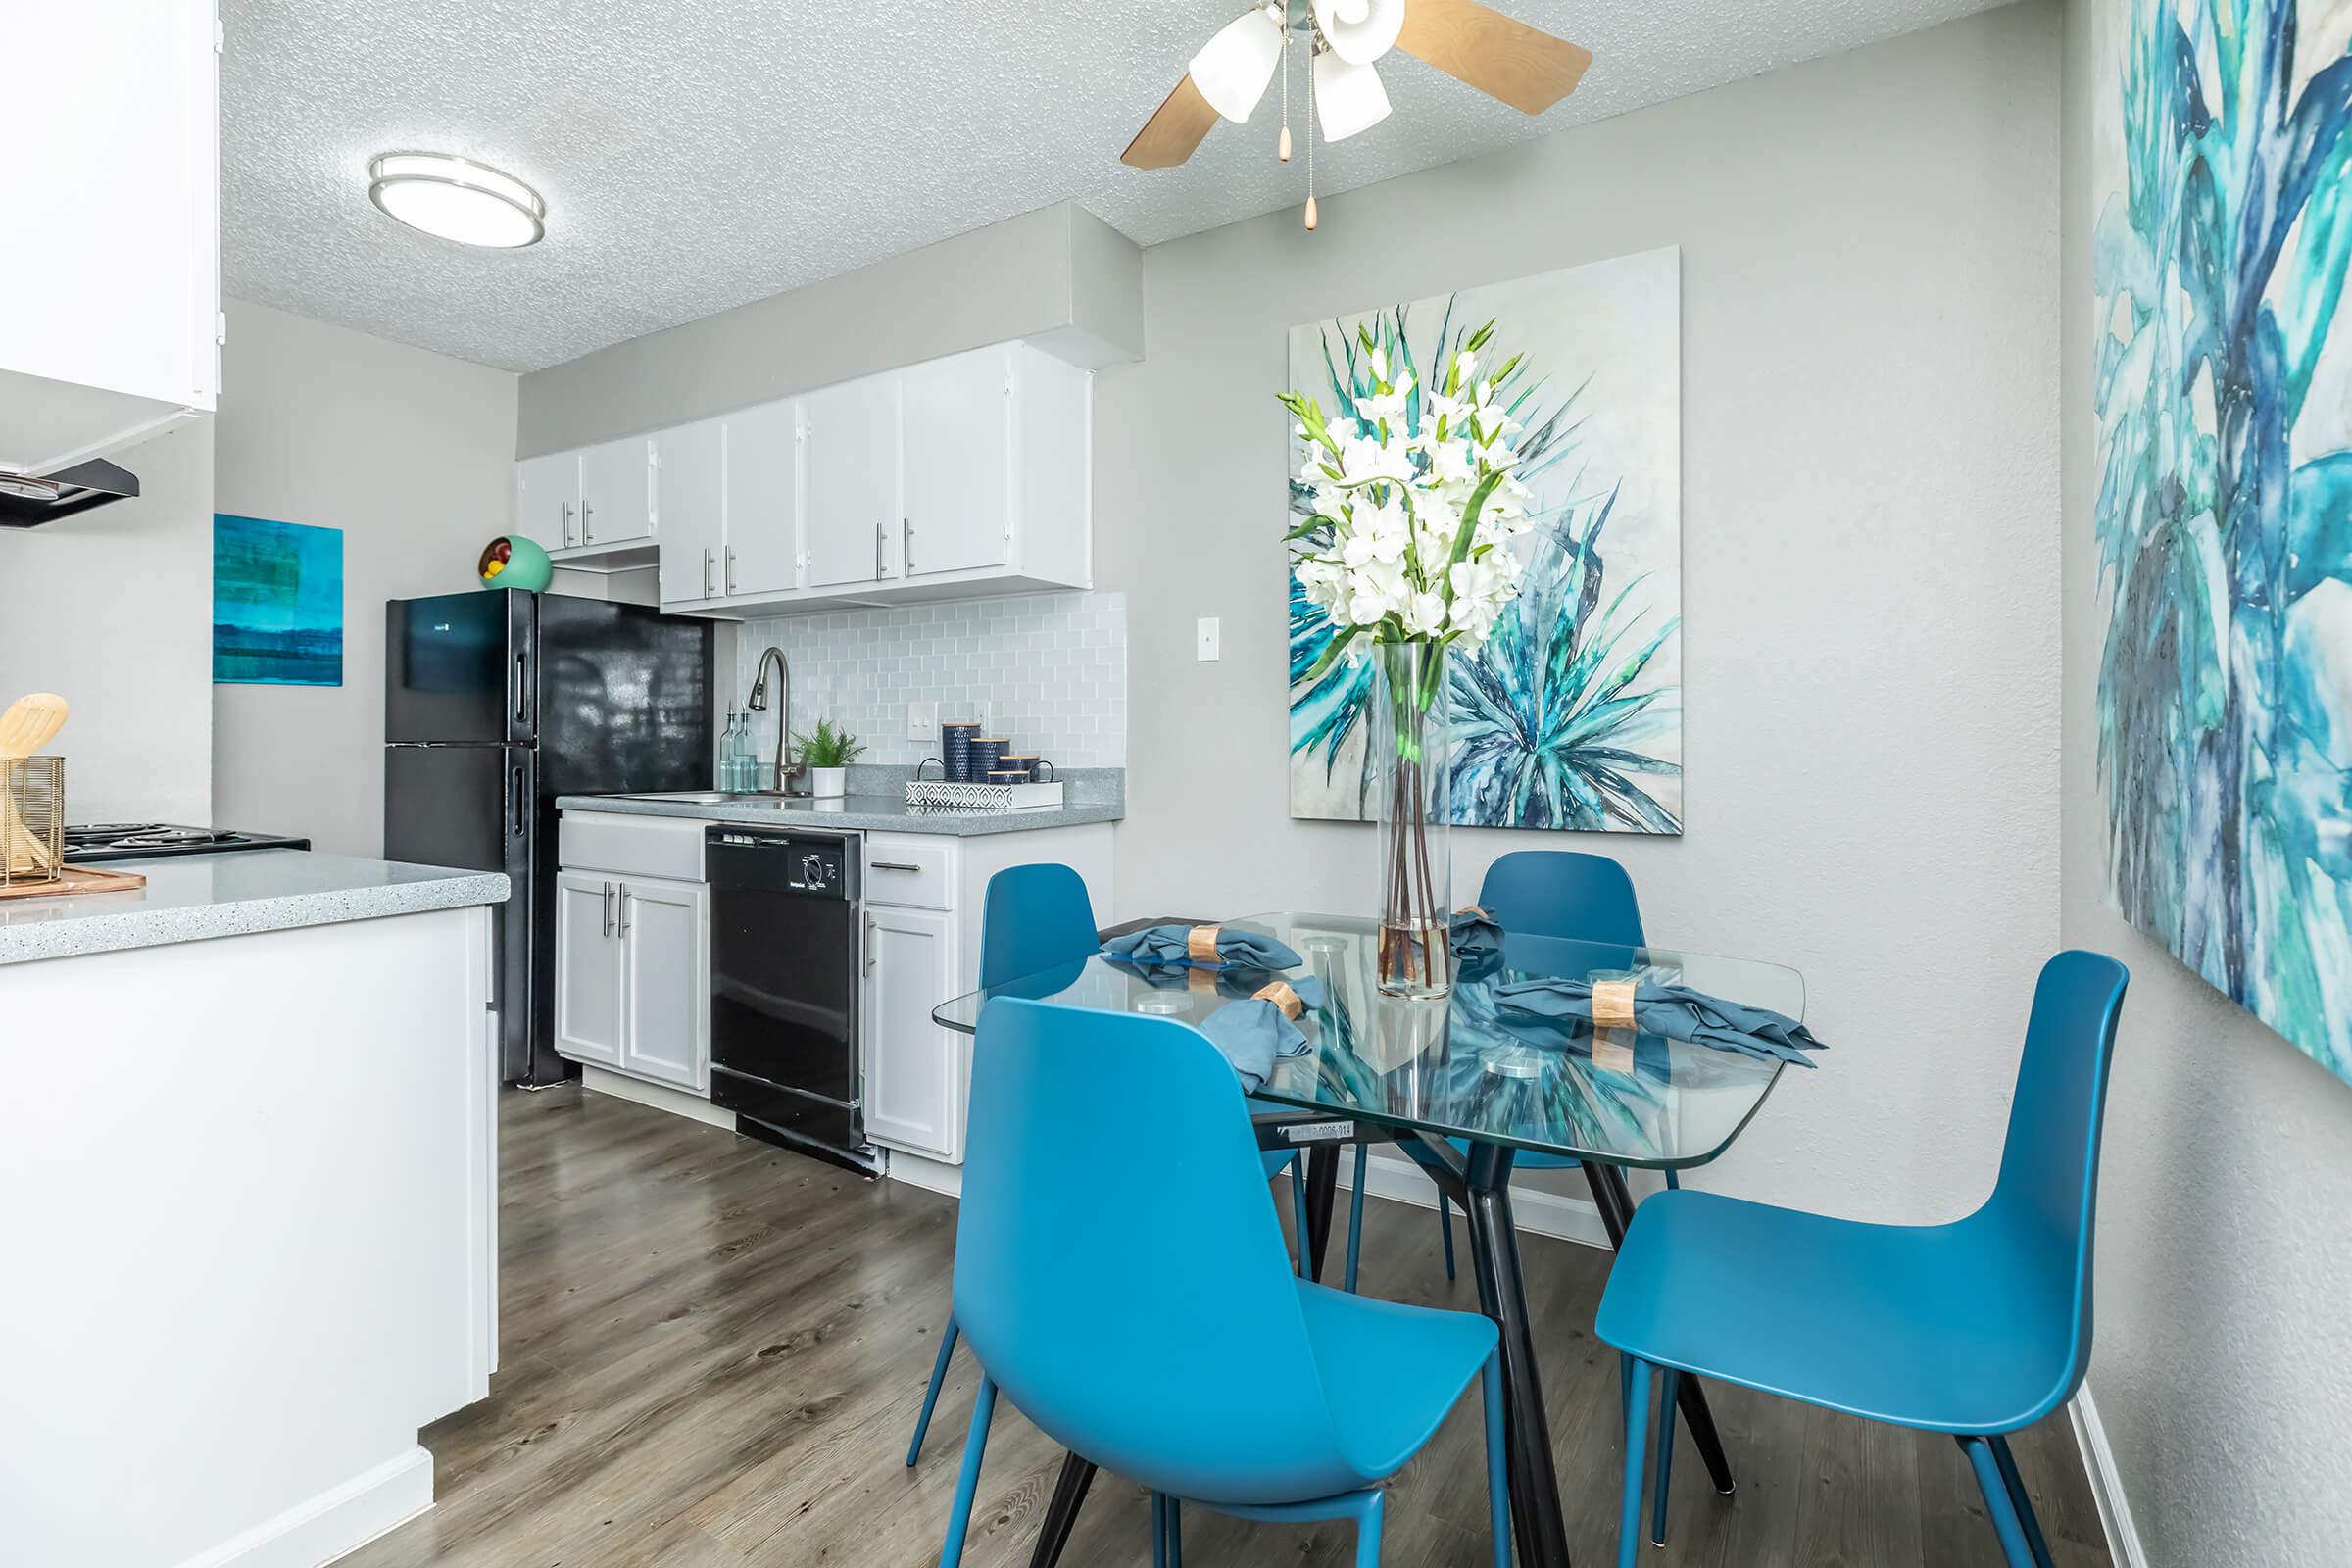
pixel 1205 639
pixel 923 721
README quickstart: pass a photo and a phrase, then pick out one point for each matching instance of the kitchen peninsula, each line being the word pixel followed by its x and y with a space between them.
pixel 250 1151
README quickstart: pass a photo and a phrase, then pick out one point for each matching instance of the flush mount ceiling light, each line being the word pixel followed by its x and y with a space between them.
pixel 456 199
pixel 1508 60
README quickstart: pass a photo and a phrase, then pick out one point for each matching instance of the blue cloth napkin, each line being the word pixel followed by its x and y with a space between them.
pixel 1170 944
pixel 1674 1011
pixel 1254 1034
pixel 1232 980
pixel 1477 943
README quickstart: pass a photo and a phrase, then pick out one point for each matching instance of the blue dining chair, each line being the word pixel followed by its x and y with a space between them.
pixel 1547 893
pixel 1032 918
pixel 1976 1328
pixel 1146 1315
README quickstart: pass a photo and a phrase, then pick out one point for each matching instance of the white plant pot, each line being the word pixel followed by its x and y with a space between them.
pixel 828 783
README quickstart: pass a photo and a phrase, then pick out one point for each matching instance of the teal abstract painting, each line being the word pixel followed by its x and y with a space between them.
pixel 277 603
pixel 2224 395
pixel 1570 716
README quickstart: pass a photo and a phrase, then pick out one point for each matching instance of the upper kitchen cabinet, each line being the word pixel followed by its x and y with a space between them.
pixel 955 434
pixel 690 475
pixel 617 494
pixel 120 242
pixel 849 453
pixel 547 504
pixel 593 508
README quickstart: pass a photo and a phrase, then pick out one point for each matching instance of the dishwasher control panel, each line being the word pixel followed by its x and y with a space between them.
pixel 817 863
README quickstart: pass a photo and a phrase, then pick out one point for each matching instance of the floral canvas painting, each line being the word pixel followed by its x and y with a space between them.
pixel 2224 395
pixel 1569 714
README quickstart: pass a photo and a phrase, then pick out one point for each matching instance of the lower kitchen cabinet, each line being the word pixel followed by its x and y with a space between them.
pixel 632 976
pixel 914 1072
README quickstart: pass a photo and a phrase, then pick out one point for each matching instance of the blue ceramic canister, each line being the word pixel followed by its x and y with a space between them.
pixel 986 748
pixel 955 751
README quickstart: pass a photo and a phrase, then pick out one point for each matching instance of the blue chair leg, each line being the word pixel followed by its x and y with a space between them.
pixel 1160 1531
pixel 1367 1532
pixel 1625 1388
pixel 1637 1428
pixel 1657 1509
pixel 1175 1532
pixel 2020 1501
pixel 1299 1213
pixel 939 1375
pixel 2005 1523
pixel 1498 1475
pixel 1355 1218
pixel 1446 1228
pixel 975 1445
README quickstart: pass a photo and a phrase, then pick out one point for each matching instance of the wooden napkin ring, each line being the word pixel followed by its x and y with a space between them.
pixel 1475 911
pixel 1613 1003
pixel 1201 980
pixel 1613 1049
pixel 1200 944
pixel 1282 997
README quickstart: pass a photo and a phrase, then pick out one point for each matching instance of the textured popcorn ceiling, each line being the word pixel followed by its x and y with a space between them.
pixel 696 154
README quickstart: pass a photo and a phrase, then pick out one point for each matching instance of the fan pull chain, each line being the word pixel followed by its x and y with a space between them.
pixel 1313 107
pixel 1282 147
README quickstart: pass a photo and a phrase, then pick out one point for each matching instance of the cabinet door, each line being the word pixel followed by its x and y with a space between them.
pixel 955 432
pixel 664 933
pixel 547 507
pixel 616 492
pixel 851 447
pixel 690 485
pixel 914 1073
pixel 588 968
pixel 763 500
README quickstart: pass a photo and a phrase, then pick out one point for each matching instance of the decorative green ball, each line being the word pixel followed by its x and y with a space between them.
pixel 514 561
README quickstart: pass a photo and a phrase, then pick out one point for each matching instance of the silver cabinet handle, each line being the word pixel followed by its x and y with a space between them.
pixel 608 908
pixel 893 865
pixel 878 539
pixel 706 562
pixel 869 944
pixel 624 910
pixel 567 522
pixel 906 545
pixel 730 568
pixel 586 532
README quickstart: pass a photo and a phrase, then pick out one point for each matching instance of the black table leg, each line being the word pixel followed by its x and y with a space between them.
pixel 1322 1183
pixel 1615 1201
pixel 1062 1515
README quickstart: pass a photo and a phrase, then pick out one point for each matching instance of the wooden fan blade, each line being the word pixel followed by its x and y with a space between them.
pixel 1169 136
pixel 1529 70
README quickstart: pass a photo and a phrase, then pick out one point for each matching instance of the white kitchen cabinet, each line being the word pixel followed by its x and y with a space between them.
pixel 665 930
pixel 955 440
pixel 763 551
pixel 112 271
pixel 546 500
pixel 690 498
pixel 590 965
pixel 850 457
pixel 915 1078
pixel 616 493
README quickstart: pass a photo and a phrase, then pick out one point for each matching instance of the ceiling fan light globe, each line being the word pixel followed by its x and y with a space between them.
pixel 1233 68
pixel 1349 97
pixel 1359 31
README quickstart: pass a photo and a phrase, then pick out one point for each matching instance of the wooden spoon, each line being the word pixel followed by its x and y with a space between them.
pixel 31 724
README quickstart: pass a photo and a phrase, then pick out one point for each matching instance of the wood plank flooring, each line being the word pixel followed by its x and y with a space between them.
pixel 713 1352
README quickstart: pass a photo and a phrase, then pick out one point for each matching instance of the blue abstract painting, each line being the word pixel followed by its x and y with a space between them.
pixel 1570 716
pixel 277 603
pixel 2225 508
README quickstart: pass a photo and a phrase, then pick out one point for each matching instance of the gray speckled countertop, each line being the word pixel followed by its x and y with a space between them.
pixel 195 897
pixel 866 814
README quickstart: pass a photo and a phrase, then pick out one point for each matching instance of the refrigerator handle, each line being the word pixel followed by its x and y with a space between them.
pixel 521 796
pixel 522 688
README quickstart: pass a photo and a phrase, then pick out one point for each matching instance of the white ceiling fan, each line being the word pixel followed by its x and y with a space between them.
pixel 1527 68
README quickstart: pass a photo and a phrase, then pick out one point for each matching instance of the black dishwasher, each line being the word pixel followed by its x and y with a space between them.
pixel 784 986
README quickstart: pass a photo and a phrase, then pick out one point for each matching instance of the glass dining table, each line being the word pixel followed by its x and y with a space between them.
pixel 1463 1084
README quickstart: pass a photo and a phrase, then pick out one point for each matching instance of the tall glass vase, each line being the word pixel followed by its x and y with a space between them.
pixel 1410 736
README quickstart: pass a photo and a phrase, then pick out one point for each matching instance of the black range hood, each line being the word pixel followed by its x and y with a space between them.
pixel 27 503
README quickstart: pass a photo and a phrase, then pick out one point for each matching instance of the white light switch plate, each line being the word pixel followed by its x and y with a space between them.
pixel 923 721
pixel 1204 638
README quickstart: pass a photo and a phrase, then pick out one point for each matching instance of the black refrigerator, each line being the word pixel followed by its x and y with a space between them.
pixel 497 702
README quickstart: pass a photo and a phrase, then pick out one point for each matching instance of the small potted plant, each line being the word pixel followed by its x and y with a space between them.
pixel 827 754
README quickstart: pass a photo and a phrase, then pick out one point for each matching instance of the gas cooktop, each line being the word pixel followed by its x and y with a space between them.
pixel 127 841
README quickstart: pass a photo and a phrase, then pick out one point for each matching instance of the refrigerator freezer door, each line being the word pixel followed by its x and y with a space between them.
pixel 460 669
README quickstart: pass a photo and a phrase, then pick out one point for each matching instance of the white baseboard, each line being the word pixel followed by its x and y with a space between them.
pixel 1572 1219
pixel 2106 1484
pixel 931 1175
pixel 341 1519
pixel 677 1101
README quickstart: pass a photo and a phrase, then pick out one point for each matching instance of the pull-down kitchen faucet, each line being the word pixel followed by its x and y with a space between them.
pixel 786 768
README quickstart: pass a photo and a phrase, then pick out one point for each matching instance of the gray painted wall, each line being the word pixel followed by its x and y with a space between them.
pixel 2223 1369
pixel 412 455
pixel 112 610
pixel 1870 555
pixel 1058 274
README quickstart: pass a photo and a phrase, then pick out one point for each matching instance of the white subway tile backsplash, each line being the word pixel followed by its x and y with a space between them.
pixel 1049 669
